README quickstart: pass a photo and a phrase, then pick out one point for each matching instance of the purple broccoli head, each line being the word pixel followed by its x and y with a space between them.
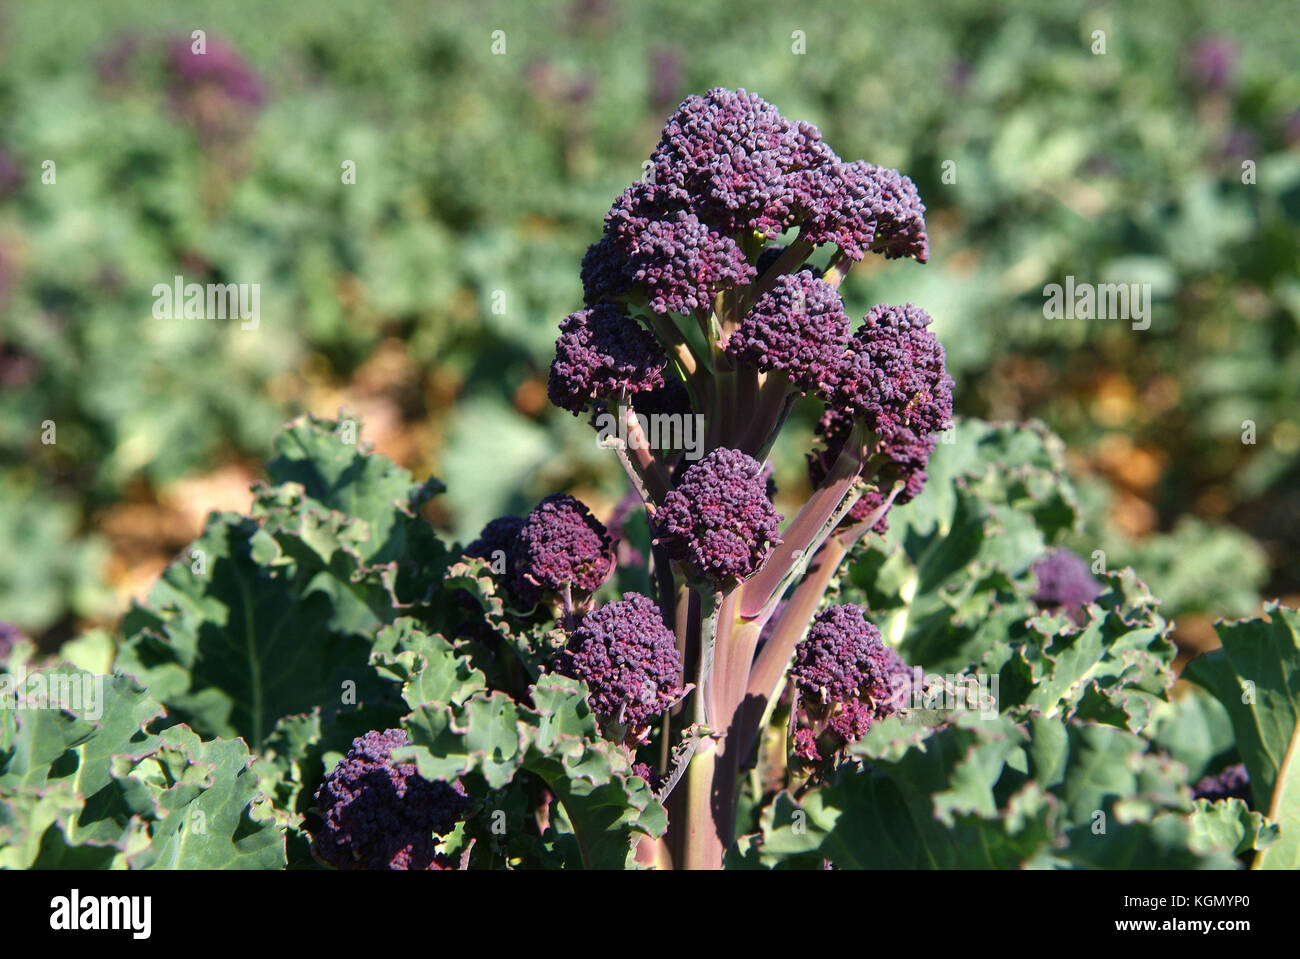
pixel 668 256
pixel 603 353
pixel 864 208
pixel 381 814
pixel 738 160
pixel 1064 583
pixel 902 457
pixel 719 518
pixel 559 545
pixel 499 535
pixel 894 376
pixel 628 658
pixel 798 327
pixel 848 679
pixel 842 657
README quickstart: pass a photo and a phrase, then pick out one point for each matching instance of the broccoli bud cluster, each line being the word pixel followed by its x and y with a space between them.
pixel 561 545
pixel 601 354
pixel 629 659
pixel 730 167
pixel 558 547
pixel 798 327
pixel 381 814
pixel 719 519
pixel 893 375
pixel 902 459
pixel 847 679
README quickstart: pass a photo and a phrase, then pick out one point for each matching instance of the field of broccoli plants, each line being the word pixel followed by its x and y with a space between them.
pixel 906 670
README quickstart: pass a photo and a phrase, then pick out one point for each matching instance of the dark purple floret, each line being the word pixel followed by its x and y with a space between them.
pixel 805 745
pixel 893 374
pixel 719 518
pixel 603 353
pixel 1232 783
pixel 904 457
pixel 628 658
pixel 655 248
pixel 602 273
pixel 851 720
pixel 1064 582
pixel 842 658
pixel 798 327
pixel 864 208
pixel 499 534
pixel 678 263
pixel 644 770
pixel 560 544
pixel 380 814
pixel 738 159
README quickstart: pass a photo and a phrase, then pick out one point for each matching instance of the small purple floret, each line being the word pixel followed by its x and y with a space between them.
pixel 383 815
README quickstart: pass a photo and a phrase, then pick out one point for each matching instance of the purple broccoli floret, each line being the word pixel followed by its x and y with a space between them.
pixel 499 535
pixel 737 159
pixel 848 679
pixel 842 657
pixel 655 247
pixel 864 208
pixel 603 353
pixel 902 456
pixel 1231 783
pixel 559 545
pixel 628 658
pixel 381 814
pixel 1064 582
pixel 719 518
pixel 893 374
pixel 798 327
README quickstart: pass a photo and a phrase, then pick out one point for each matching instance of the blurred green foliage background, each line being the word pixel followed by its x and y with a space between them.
pixel 480 179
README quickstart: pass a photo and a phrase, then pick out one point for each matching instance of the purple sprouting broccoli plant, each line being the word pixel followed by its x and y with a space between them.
pixel 629 660
pixel 695 310
pixel 713 294
pixel 381 814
